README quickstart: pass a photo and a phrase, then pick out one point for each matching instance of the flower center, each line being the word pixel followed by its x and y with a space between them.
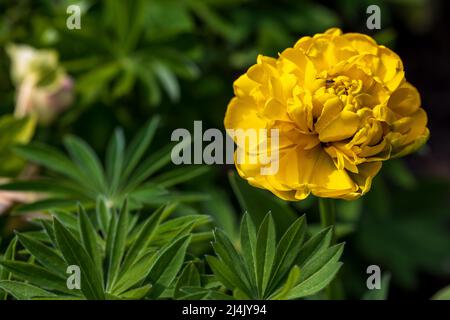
pixel 343 85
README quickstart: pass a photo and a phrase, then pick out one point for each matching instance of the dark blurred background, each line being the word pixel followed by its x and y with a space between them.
pixel 179 58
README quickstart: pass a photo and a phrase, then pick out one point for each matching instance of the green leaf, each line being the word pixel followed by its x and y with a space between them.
pixel 168 81
pixel 318 273
pixel 291 281
pixel 443 294
pixel 314 246
pixel 144 237
pixel 137 293
pixel 135 274
pixel 179 175
pixel 139 145
pixel 48 227
pixel 88 236
pixel 265 253
pixel 149 166
pixel 9 255
pixel 196 293
pixel 103 214
pixel 116 242
pixel 225 275
pixel 230 258
pixel 190 277
pixel 53 186
pixel 287 250
pixel 114 159
pixel 75 254
pixel 50 158
pixel 46 205
pixel 167 264
pixel 248 244
pixel 45 255
pixel 23 291
pixel 36 275
pixel 87 161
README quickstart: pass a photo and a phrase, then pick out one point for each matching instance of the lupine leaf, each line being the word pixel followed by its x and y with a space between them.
pixel 139 145
pixel 23 291
pixel 229 278
pixel 167 264
pixel 45 255
pixel 116 245
pixel 265 253
pixel 88 236
pixel 287 249
pixel 317 273
pixel 103 214
pixel 87 161
pixel 314 245
pixel 248 244
pixel 75 254
pixel 291 281
pixel 50 158
pixel 115 159
pixel 36 275
pixel 144 237
pixel 443 294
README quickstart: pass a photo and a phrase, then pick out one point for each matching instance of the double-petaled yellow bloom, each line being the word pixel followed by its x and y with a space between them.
pixel 341 104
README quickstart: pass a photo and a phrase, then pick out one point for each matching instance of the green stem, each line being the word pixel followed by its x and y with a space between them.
pixel 327 210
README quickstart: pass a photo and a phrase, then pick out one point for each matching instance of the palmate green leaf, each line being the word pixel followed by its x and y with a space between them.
pixel 103 214
pixel 317 273
pixel 179 175
pixel 135 274
pixel 166 266
pixel 87 161
pixel 9 255
pixel 89 239
pixel 70 220
pixel 36 275
pixel 197 293
pixel 287 269
pixel 443 294
pixel 50 158
pixel 314 246
pixel 137 293
pixel 48 229
pixel 139 145
pixel 23 291
pixel 189 277
pixel 115 244
pixel 149 166
pixel 81 177
pixel 47 185
pixel 292 279
pixel 47 205
pixel 231 258
pixel 248 244
pixel 265 253
pixel 115 159
pixel 225 275
pixel 45 255
pixel 75 254
pixel 144 237
pixel 287 250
